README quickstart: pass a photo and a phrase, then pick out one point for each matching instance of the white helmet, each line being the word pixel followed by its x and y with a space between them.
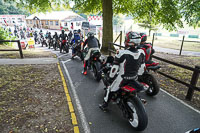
pixel 132 39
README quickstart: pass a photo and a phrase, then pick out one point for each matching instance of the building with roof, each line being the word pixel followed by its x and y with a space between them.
pixel 54 20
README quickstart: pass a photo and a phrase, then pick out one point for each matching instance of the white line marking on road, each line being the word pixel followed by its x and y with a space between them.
pixel 78 104
pixel 62 55
pixel 66 61
pixel 181 101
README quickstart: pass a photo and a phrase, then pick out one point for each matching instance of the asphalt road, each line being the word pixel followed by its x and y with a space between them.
pixel 165 114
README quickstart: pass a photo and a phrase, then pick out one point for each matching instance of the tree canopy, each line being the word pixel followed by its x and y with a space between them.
pixel 10 8
pixel 167 13
pixel 191 12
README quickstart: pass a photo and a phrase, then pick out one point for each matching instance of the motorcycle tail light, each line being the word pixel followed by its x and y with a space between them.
pixel 95 58
pixel 128 88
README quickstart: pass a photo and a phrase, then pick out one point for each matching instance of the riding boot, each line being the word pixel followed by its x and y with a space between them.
pixel 104 105
pixel 85 67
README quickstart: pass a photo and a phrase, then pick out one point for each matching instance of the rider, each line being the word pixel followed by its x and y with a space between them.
pixel 56 39
pixel 41 33
pixel 63 37
pixel 92 44
pixel 47 34
pixel 49 39
pixel 35 36
pixel 56 36
pixel 75 40
pixel 127 64
pixel 70 35
pixel 80 34
pixel 148 49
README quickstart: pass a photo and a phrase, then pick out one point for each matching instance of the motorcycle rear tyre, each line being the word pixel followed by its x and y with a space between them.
pixel 138 110
pixel 154 86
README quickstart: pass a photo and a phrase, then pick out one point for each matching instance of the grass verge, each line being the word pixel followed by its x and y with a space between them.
pixel 32 100
pixel 173 87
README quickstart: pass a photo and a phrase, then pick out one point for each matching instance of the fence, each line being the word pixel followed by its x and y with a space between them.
pixel 19 46
pixel 191 87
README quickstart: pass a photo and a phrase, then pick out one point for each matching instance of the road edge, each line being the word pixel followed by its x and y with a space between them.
pixel 69 101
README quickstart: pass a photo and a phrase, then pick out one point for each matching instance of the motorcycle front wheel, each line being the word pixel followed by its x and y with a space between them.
pixel 139 119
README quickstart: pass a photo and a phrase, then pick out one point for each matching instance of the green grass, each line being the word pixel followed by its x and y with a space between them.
pixel 169 42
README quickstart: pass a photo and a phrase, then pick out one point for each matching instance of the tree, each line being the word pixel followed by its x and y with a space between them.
pixel 190 11
pixel 165 12
pixel 117 20
pixel 10 8
pixel 148 25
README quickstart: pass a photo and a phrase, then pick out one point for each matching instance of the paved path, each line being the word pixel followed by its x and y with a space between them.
pixel 166 114
pixel 29 61
pixel 173 51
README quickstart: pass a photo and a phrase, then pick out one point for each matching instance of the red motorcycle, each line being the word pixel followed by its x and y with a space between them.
pixel 147 77
pixel 127 99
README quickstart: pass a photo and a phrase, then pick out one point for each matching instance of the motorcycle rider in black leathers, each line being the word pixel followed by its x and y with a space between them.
pixel 127 64
pixel 49 40
pixel 63 37
pixel 56 38
pixel 70 36
pixel 35 36
pixel 92 44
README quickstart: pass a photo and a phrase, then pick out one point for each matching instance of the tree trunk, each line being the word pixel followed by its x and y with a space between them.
pixel 149 32
pixel 107 25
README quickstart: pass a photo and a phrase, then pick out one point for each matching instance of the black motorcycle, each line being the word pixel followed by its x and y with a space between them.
pixel 77 48
pixel 94 63
pixel 127 99
pixel 66 46
pixel 56 44
pixel 43 41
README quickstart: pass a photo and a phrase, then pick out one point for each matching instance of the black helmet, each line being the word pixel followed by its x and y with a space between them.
pixel 143 37
pixel 63 31
pixel 90 34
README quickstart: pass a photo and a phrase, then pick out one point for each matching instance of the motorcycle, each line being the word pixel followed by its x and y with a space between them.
pixel 77 47
pixel 43 41
pixel 55 44
pixel 127 99
pixel 94 62
pixel 66 46
pixel 49 41
pixel 147 77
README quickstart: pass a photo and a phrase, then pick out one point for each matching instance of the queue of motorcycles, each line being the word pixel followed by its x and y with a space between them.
pixel 127 97
pixel 51 42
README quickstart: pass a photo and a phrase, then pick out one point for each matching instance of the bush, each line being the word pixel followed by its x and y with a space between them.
pixel 4 35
